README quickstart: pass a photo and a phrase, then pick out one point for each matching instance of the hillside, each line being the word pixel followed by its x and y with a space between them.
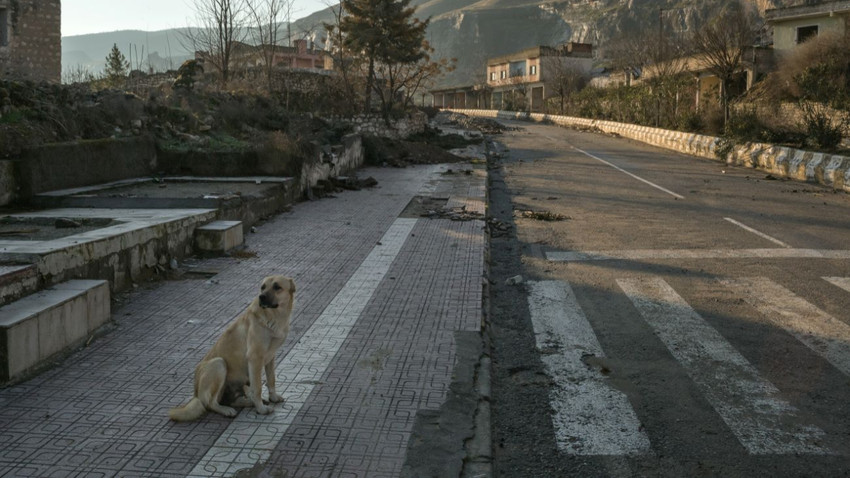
pixel 473 31
pixel 468 30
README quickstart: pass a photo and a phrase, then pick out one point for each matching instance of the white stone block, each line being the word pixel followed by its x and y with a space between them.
pixel 219 236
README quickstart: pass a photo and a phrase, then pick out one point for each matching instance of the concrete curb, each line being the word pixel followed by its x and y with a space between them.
pixel 827 169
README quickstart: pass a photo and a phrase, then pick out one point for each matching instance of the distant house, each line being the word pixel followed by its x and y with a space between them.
pixel 522 80
pixel 31 40
pixel 796 24
pixel 461 97
pixel 756 61
pixel 301 55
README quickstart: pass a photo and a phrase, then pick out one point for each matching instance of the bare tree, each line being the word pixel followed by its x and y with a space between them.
pixel 563 78
pixel 220 25
pixel 344 60
pixel 628 55
pixel 722 43
pixel 266 16
pixel 401 81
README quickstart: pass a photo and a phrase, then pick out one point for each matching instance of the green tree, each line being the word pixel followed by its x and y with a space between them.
pixel 117 66
pixel 382 31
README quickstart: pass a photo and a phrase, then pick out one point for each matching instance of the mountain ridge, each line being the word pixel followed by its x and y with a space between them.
pixel 469 30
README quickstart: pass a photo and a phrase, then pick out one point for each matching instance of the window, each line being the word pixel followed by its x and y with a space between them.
pixel 806 33
pixel 532 70
pixel 4 26
pixel 492 76
pixel 504 74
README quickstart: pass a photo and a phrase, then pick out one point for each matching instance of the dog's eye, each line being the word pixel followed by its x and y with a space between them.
pixel 263 287
pixel 277 286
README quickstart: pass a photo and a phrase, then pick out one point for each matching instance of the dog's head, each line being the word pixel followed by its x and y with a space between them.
pixel 277 291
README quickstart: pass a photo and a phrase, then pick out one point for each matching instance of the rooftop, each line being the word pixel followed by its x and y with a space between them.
pixel 807 9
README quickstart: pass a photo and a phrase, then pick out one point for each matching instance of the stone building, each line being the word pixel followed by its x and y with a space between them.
pixel 31 40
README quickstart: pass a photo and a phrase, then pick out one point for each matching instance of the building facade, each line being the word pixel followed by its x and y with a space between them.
pixel 796 24
pixel 523 80
pixel 31 40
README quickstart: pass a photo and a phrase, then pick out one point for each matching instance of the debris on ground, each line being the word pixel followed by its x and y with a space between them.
pixel 517 279
pixel 453 213
pixel 63 223
pixel 326 187
pixel 484 125
pixel 450 171
pixel 543 215
pixel 497 228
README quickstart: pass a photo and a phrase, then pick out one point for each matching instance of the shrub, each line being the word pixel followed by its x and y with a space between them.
pixel 824 126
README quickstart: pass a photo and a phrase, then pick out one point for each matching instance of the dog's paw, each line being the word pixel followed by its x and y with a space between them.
pixel 228 412
pixel 274 397
pixel 264 409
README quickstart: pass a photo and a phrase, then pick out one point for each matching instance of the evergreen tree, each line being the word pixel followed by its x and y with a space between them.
pixel 117 66
pixel 382 31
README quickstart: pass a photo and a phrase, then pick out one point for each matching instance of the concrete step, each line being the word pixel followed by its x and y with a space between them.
pixel 49 322
pixel 17 281
pixel 219 236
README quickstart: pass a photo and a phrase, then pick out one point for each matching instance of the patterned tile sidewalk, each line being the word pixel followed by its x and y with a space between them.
pixel 372 343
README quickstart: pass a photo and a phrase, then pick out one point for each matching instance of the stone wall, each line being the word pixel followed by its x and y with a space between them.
pixel 32 47
pixel 332 162
pixel 84 163
pixel 828 169
pixel 374 125
pixel 8 183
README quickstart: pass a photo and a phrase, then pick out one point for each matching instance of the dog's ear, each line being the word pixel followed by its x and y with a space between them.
pixel 291 286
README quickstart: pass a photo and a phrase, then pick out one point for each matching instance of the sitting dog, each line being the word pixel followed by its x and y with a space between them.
pixel 231 372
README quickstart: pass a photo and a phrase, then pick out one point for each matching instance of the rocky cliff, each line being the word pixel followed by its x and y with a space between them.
pixel 473 31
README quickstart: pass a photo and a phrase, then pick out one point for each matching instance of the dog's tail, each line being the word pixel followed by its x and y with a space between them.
pixel 191 411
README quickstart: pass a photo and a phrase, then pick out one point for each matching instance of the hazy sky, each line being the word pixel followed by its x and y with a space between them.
pixel 95 16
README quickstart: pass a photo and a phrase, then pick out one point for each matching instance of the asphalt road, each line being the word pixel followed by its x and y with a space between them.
pixel 685 318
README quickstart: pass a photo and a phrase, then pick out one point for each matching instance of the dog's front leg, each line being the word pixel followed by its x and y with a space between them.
pixel 255 371
pixel 270 382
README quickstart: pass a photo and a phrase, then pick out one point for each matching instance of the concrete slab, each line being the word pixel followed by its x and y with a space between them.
pixel 49 322
pixel 128 251
pixel 16 281
pixel 219 236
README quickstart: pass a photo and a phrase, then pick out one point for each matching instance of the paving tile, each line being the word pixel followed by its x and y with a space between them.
pixel 102 412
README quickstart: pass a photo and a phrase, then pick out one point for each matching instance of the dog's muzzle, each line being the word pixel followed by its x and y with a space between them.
pixel 266 304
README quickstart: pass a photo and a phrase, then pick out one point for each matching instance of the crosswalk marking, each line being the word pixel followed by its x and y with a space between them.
pixel 749 405
pixel 591 418
pixel 842 282
pixel 251 438
pixel 817 330
pixel 658 254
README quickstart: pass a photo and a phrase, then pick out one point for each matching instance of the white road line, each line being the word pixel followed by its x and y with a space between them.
pixel 842 282
pixel 817 330
pixel 591 417
pixel 750 405
pixel 654 254
pixel 661 188
pixel 758 233
pixel 250 438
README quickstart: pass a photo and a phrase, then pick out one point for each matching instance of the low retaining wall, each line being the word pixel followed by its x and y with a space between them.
pixel 828 169
pixel 8 183
pixel 84 163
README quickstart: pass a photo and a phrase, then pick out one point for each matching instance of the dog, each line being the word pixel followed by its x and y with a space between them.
pixel 230 375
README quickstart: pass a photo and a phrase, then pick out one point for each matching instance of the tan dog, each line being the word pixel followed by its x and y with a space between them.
pixel 231 372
